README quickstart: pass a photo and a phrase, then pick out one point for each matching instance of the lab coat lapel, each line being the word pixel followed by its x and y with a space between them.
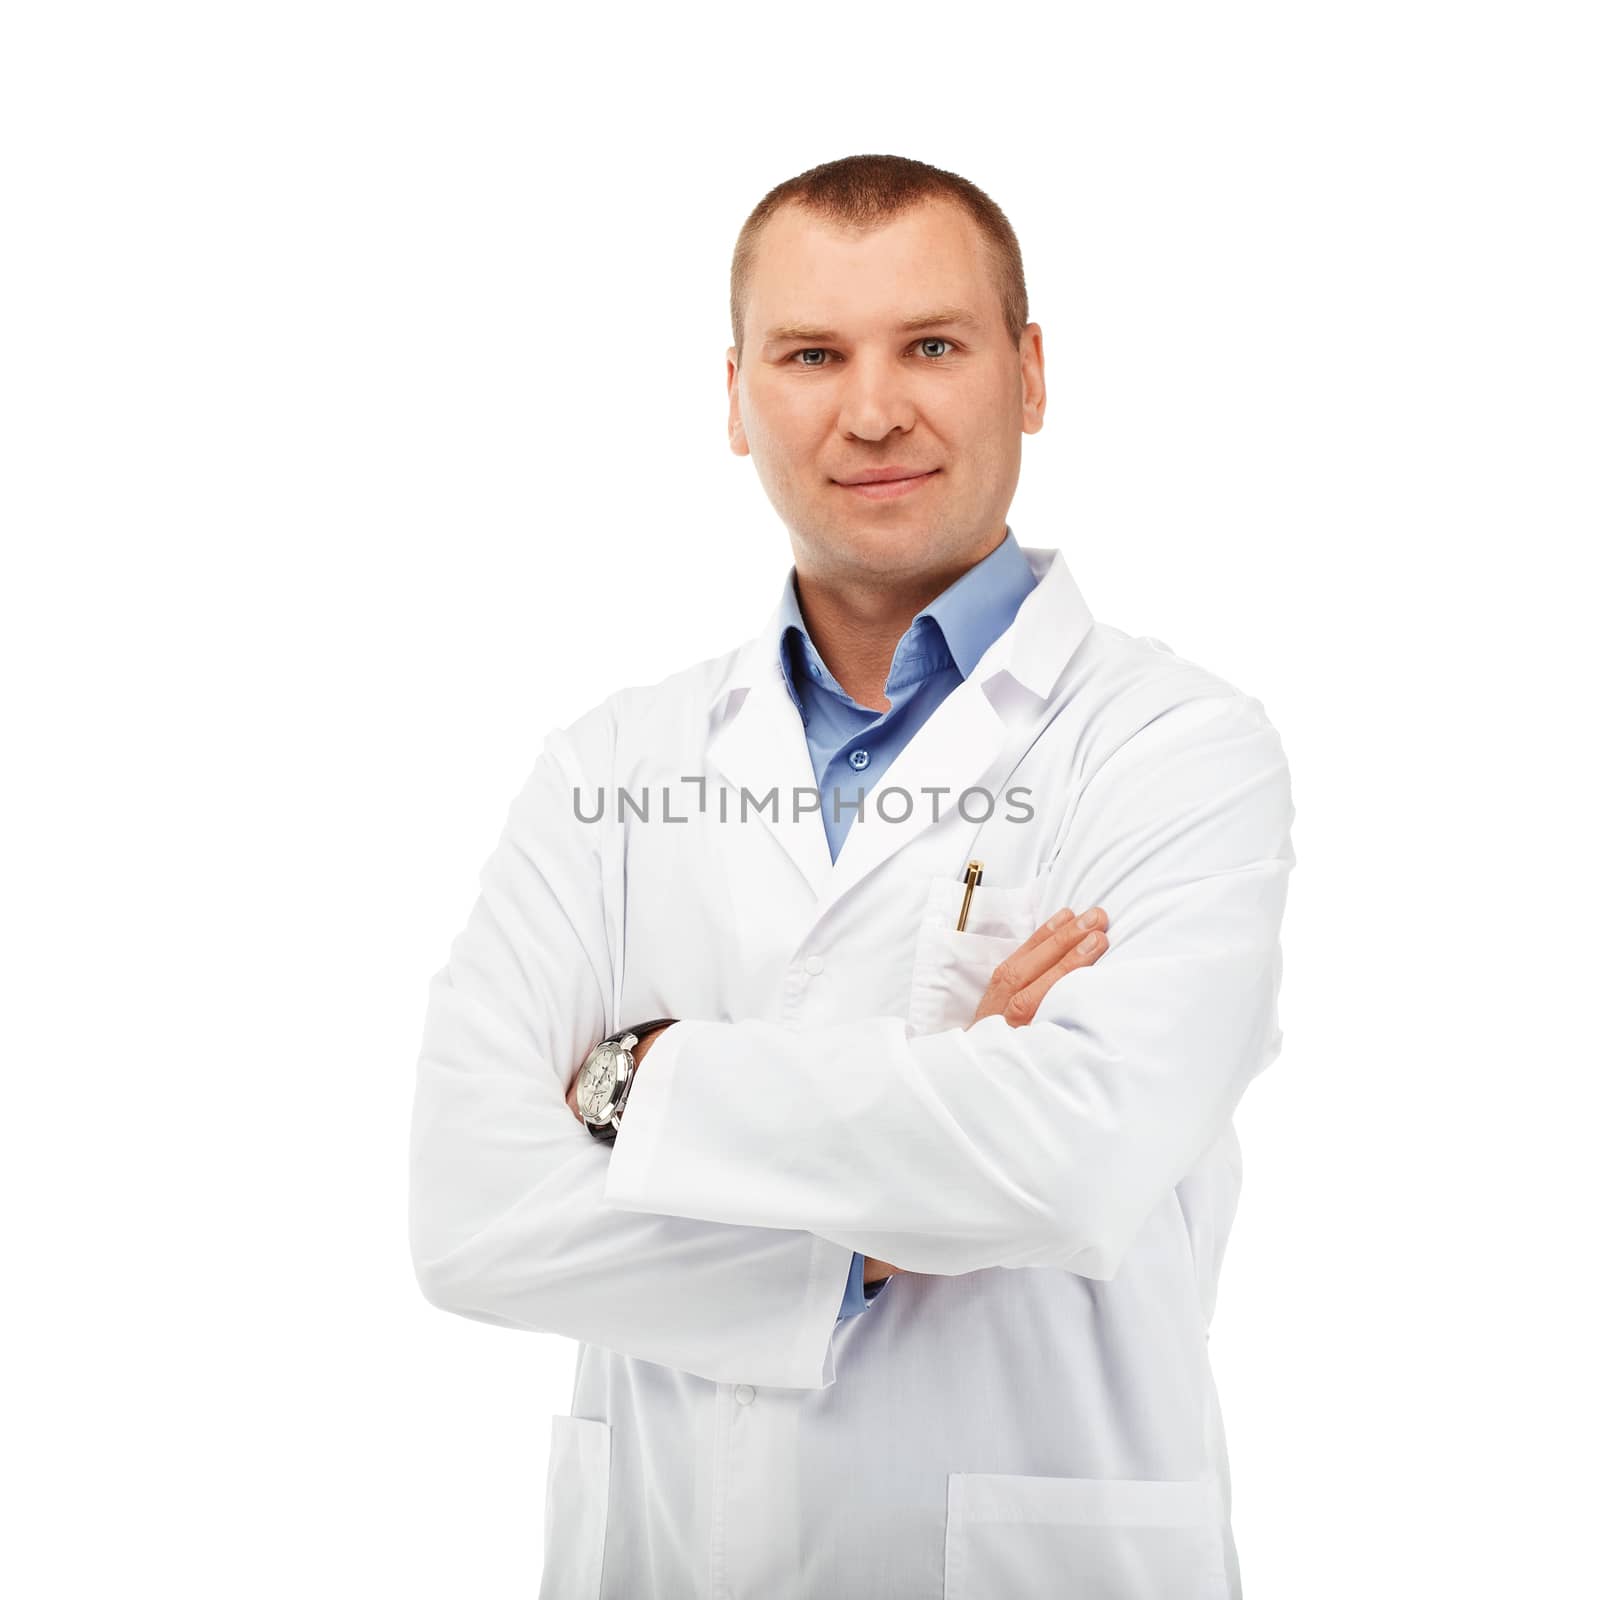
pixel 761 743
pixel 950 752
pixel 761 746
pixel 979 730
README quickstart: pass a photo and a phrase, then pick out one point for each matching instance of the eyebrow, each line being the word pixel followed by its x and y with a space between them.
pixel 942 317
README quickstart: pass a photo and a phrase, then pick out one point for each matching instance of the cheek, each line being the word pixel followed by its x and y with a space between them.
pixel 984 447
pixel 985 406
pixel 794 420
pixel 787 436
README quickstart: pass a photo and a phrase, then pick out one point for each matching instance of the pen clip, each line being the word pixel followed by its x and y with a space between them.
pixel 974 876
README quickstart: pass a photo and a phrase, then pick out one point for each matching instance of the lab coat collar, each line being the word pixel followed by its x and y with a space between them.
pixel 758 741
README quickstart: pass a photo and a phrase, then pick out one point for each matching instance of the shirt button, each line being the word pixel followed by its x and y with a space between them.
pixel 813 965
pixel 744 1394
pixel 859 759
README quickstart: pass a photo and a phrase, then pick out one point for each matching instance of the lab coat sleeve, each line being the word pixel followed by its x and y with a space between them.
pixel 1043 1145
pixel 507 1224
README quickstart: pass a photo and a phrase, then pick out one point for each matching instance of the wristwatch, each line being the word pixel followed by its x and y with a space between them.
pixel 606 1077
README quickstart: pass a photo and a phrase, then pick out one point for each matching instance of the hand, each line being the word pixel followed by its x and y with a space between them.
pixel 1061 945
pixel 640 1050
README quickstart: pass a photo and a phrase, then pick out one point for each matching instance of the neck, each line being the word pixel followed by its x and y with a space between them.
pixel 856 626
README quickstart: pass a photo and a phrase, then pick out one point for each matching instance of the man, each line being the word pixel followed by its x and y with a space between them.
pixel 892 1257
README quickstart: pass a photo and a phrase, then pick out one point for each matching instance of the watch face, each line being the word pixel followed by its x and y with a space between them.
pixel 597 1083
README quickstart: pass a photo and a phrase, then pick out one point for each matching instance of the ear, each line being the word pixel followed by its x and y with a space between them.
pixel 1031 350
pixel 736 438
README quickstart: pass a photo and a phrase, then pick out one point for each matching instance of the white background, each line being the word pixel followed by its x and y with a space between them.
pixel 364 418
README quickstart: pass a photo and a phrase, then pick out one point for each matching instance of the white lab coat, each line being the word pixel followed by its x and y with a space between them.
pixel 1028 1409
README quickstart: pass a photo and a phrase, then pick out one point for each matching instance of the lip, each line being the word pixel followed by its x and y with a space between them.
pixel 889 485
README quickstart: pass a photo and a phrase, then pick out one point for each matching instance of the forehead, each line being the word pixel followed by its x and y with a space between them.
pixel 808 270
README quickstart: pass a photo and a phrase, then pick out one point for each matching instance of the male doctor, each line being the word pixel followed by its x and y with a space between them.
pixel 885 1198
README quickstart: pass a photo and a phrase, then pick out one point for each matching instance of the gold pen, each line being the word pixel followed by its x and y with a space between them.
pixel 974 878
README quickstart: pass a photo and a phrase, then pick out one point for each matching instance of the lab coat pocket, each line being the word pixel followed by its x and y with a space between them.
pixel 952 969
pixel 577 1490
pixel 1091 1538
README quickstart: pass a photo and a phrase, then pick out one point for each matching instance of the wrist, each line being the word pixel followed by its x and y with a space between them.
pixel 639 1050
pixel 642 1049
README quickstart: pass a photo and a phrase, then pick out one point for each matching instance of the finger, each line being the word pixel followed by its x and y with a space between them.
pixel 1025 1002
pixel 1043 932
pixel 1036 955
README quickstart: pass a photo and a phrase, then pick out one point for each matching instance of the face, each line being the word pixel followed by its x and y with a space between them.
pixel 874 351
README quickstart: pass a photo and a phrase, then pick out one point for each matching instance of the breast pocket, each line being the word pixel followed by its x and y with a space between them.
pixel 577 1489
pixel 1092 1538
pixel 951 970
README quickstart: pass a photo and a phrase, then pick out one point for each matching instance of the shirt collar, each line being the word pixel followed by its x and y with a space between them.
pixel 958 625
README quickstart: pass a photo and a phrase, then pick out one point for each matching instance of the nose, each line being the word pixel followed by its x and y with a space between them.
pixel 874 399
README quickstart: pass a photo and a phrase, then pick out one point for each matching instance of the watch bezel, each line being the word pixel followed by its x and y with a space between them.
pixel 620 1052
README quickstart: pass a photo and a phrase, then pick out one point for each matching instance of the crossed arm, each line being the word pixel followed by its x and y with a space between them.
pixel 1064 943
pixel 676 1245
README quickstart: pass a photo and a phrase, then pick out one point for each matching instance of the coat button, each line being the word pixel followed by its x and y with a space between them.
pixel 859 759
pixel 813 965
pixel 744 1394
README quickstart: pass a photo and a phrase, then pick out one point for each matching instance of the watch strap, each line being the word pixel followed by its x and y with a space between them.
pixel 640 1029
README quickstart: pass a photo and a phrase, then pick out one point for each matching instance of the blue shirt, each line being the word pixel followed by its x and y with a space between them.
pixel 852 746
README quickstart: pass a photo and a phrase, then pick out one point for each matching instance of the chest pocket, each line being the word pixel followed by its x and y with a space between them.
pixel 951 969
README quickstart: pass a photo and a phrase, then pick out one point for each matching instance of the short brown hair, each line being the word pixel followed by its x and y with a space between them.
pixel 868 191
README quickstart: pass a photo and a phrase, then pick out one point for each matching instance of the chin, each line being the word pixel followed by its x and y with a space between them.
pixel 883 546
pixel 877 545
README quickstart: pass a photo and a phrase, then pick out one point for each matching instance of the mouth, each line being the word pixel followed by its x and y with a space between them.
pixel 892 487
